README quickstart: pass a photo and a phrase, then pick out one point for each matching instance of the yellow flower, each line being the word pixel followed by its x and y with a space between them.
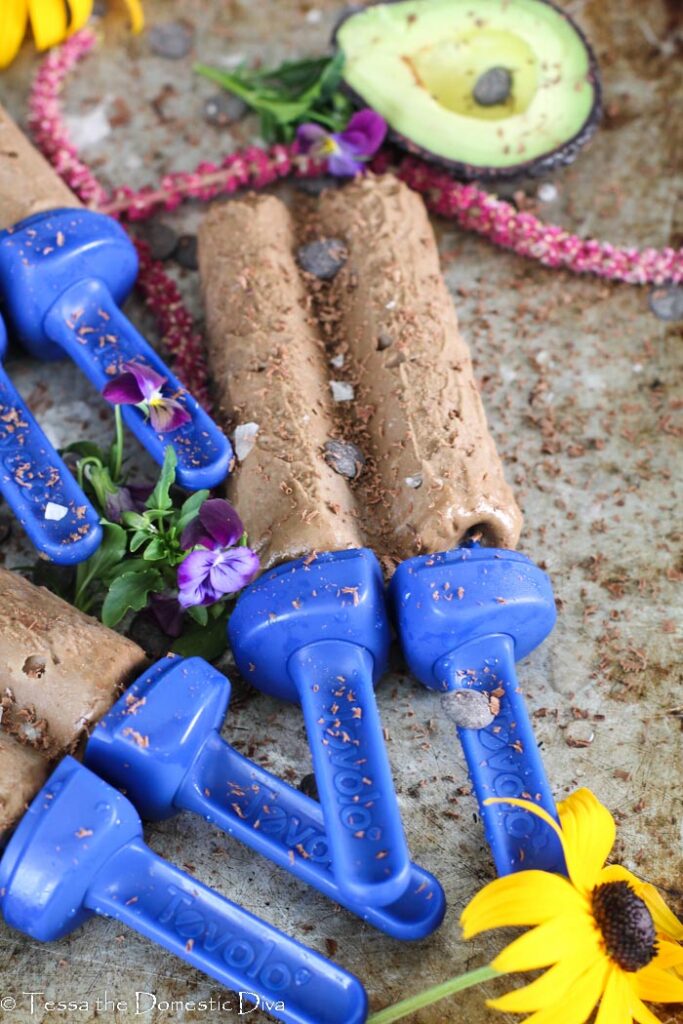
pixel 606 936
pixel 51 22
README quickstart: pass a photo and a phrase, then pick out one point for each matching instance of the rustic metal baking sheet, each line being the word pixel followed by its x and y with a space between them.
pixel 582 386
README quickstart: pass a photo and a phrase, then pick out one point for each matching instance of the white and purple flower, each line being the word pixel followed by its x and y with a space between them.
pixel 217 564
pixel 140 385
pixel 347 151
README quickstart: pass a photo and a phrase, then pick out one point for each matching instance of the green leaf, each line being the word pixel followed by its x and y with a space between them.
pixel 86 449
pixel 128 565
pixel 282 110
pixel 209 642
pixel 137 522
pixel 190 509
pixel 200 614
pixel 110 553
pixel 99 479
pixel 331 75
pixel 156 550
pixel 129 592
pixel 160 498
pixel 137 540
pixel 298 75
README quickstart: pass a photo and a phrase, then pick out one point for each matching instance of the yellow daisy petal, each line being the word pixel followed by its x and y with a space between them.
pixel 137 17
pixel 577 1004
pixel 589 832
pixel 13 20
pixel 665 920
pixel 547 989
pixel 565 936
pixel 669 954
pixel 642 1014
pixel 80 11
pixel 525 898
pixel 617 873
pixel 532 808
pixel 658 986
pixel 615 1005
pixel 48 22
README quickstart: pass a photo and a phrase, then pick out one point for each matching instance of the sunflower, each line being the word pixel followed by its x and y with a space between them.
pixel 607 937
pixel 51 22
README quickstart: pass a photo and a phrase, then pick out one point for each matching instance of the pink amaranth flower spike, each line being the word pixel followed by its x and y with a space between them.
pixel 346 152
pixel 142 386
pixel 215 567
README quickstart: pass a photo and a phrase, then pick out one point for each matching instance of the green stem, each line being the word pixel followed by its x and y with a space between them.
pixel 90 460
pixel 117 447
pixel 433 995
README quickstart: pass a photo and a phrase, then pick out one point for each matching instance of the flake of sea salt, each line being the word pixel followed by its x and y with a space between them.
pixel 244 439
pixel 54 512
pixel 342 391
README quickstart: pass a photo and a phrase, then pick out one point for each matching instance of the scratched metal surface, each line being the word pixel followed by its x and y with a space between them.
pixel 582 387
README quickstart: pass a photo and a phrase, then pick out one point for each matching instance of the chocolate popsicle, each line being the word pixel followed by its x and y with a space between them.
pixel 60 670
pixel 436 469
pixel 36 188
pixel 268 365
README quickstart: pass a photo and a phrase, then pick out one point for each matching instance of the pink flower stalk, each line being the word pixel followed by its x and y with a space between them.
pixel 140 385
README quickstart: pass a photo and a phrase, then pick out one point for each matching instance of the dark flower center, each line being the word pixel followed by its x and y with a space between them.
pixel 626 924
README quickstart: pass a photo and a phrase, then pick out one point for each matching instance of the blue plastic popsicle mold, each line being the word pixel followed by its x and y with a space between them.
pixel 463 618
pixel 63 276
pixel 316 631
pixel 78 851
pixel 36 484
pixel 161 745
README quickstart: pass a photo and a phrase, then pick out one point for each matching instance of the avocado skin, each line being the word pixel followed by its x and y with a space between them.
pixel 536 168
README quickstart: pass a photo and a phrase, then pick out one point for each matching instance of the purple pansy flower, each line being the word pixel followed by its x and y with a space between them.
pixel 167 612
pixel 140 385
pixel 346 151
pixel 216 567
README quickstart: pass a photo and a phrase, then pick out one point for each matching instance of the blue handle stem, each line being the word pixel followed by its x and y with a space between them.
pixel 88 324
pixel 39 488
pixel 368 846
pixel 287 827
pixel 503 759
pixel 156 899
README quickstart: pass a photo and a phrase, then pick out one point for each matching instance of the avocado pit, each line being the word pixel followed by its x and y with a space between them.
pixel 492 87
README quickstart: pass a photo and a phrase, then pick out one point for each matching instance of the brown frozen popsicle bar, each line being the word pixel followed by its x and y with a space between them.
pixel 437 473
pixel 28 184
pixel 269 368
pixel 60 670
pixel 22 772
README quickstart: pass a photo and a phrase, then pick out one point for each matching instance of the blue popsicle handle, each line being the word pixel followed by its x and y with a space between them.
pixel 368 846
pixel 287 827
pixel 39 488
pixel 87 323
pixel 158 900
pixel 503 759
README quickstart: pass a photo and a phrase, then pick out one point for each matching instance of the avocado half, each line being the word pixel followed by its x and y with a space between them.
pixel 489 88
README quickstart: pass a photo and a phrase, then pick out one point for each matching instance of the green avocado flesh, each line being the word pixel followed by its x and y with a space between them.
pixel 417 63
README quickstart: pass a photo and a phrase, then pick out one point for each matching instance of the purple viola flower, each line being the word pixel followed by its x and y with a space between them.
pixel 140 385
pixel 346 151
pixel 166 610
pixel 215 566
